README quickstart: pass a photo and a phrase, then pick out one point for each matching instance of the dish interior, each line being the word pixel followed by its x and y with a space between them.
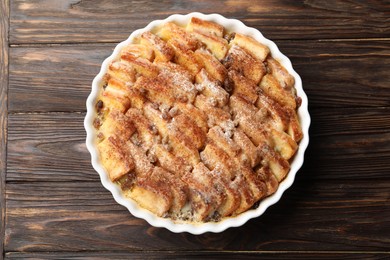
pixel 183 226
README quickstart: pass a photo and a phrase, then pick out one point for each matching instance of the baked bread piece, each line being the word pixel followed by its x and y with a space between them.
pixel 196 123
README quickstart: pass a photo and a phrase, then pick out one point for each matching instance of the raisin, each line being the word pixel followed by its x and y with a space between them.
pixel 97 123
pixel 229 36
pixel 228 85
pixel 127 181
pixel 99 106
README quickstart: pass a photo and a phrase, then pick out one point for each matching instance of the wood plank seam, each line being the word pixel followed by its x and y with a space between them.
pixel 4 29
pixel 109 43
pixel 209 251
pixel 342 19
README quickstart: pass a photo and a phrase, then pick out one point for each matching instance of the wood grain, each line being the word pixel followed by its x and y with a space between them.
pixel 60 21
pixel 4 11
pixel 55 78
pixel 311 216
pixel 352 144
pixel 51 147
pixel 199 255
pixel 53 205
pixel 48 147
pixel 342 73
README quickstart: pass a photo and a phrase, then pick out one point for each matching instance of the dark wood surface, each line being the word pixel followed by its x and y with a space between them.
pixel 4 19
pixel 53 204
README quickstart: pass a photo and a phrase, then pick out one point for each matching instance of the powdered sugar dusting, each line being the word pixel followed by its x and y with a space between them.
pixel 183 87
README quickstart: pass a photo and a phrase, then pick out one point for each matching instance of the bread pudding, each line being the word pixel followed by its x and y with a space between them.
pixel 197 123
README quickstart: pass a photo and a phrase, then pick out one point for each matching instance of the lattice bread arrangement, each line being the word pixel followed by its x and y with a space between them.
pixel 196 123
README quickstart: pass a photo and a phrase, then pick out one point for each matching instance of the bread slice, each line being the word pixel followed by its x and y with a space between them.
pixel 204 195
pixel 212 88
pixel 185 57
pixel 285 79
pixel 205 27
pixel 145 130
pixel 114 101
pixel 162 51
pixel 141 65
pixel 122 71
pixel 115 157
pixel 197 115
pixel 153 194
pixel 211 64
pixel 240 60
pixel 167 160
pixel 118 124
pixel 244 87
pixel 218 46
pixel 272 183
pixel 270 85
pixel 253 47
pixel 249 149
pixel 138 50
pixel 170 31
pixel 277 164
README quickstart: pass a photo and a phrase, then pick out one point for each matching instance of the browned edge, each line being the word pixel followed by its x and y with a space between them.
pixel 4 23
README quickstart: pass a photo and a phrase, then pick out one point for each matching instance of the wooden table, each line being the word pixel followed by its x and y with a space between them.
pixel 53 204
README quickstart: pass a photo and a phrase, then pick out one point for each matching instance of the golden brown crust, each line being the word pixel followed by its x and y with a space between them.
pixel 211 64
pixel 184 56
pixel 240 60
pixel 204 193
pixel 162 51
pixel 205 27
pixel 172 31
pixel 195 128
pixel 116 157
pixel 254 48
pixel 218 46
pixel 153 194
pixel 271 87
pixel 141 65
pixel 281 74
pixel 244 87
